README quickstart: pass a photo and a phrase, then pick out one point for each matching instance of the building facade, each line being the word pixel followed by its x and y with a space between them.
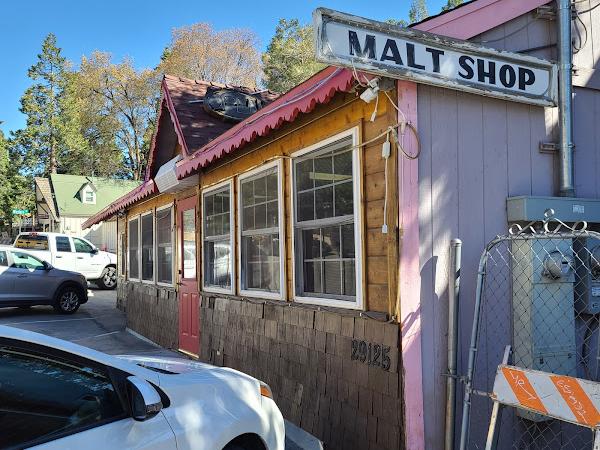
pixel 287 248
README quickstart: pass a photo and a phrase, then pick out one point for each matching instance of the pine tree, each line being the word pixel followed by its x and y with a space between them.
pixel 417 11
pixel 451 4
pixel 290 56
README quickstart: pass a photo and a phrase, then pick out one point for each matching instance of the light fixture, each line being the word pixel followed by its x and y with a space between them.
pixel 371 92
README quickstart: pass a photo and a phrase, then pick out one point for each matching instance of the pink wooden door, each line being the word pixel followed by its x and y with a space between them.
pixel 189 320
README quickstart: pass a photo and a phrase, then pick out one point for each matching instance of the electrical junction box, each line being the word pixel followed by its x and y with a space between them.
pixel 587 275
pixel 543 308
pixel 528 208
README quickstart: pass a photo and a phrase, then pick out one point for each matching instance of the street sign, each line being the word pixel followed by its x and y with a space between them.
pixel 20 212
pixel 404 53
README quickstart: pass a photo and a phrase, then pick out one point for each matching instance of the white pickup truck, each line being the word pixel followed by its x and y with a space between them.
pixel 72 253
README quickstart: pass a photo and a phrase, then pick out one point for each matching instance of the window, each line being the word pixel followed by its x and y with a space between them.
pixel 32 242
pixel 147 247
pixel 43 397
pixel 189 243
pixel 25 261
pixel 122 253
pixel 260 231
pixel 3 259
pixel 82 246
pixel 217 220
pixel 133 242
pixel 325 224
pixel 63 244
pixel 89 197
pixel 164 245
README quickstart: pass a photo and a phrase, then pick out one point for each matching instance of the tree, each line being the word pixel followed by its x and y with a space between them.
pixel 120 109
pixel 199 52
pixel 451 4
pixel 45 136
pixel 400 23
pixel 290 56
pixel 417 11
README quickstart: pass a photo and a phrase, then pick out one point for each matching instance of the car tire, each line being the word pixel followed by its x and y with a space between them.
pixel 108 280
pixel 68 300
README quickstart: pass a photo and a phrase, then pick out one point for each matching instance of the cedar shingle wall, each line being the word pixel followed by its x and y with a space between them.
pixel 305 356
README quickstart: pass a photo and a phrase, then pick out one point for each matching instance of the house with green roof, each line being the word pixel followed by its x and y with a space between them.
pixel 64 202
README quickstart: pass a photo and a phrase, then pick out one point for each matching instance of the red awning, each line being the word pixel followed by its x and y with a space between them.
pixel 142 191
pixel 318 89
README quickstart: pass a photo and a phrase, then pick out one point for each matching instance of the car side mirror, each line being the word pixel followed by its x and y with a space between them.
pixel 94 251
pixel 145 400
pixel 47 266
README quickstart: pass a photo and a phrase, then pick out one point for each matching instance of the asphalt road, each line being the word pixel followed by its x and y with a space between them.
pixel 98 324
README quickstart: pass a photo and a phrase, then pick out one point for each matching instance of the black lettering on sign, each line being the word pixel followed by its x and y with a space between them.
pixel 355 49
pixel 482 74
pixel 508 77
pixel 390 45
pixel 466 64
pixel 435 58
pixel 526 78
pixel 375 355
pixel 410 56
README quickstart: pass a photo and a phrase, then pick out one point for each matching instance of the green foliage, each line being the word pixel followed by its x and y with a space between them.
pixel 290 56
pixel 452 4
pixel 418 11
pixel 400 23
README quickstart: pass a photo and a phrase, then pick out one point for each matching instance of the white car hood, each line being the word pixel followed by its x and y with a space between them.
pixel 167 364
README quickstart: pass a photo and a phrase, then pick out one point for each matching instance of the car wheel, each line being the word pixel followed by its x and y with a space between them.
pixel 108 280
pixel 68 300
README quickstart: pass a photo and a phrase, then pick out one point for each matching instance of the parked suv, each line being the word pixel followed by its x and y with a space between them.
pixel 26 280
pixel 72 253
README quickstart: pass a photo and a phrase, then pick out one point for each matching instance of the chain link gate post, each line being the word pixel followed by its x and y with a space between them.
pixel 538 291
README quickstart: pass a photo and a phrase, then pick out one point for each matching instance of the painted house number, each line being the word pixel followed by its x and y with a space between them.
pixel 371 354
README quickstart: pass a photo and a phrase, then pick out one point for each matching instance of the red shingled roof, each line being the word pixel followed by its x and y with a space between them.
pixel 319 89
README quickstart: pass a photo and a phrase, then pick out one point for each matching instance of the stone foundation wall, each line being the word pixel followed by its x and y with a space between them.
pixel 334 374
pixel 151 311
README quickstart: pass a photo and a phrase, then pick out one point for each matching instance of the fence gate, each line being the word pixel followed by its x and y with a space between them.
pixel 539 293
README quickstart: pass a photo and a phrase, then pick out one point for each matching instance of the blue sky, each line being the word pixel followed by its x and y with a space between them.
pixel 140 29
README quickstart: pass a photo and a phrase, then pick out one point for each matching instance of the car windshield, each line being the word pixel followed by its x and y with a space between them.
pixel 26 261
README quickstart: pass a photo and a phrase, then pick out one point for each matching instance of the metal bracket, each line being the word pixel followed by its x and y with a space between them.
pixel 548 147
pixel 545 12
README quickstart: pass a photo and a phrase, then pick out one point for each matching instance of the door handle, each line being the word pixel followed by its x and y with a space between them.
pixel 22 276
pixel 57 256
pixel 80 257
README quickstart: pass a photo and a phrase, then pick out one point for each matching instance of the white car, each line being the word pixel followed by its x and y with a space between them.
pixel 58 395
pixel 72 253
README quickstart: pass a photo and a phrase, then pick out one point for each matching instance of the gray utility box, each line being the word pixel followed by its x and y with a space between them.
pixel 587 275
pixel 543 308
pixel 528 208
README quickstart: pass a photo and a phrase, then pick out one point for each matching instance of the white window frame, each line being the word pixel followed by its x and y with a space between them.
pixel 131 219
pixel 358 223
pixel 141 253
pixel 232 265
pixel 173 247
pixel 281 295
pixel 85 193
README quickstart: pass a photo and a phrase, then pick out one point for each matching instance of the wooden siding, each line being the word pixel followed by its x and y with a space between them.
pixel 477 152
pixel 344 112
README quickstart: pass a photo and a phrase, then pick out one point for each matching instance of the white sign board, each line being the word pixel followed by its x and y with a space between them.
pixel 391 51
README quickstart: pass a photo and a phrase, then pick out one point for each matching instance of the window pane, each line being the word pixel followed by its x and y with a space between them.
pixel 260 216
pixel 343 199
pixel 81 246
pixel 248 219
pixel 331 242
pixel 32 242
pixel 304 172
pixel 324 202
pixel 260 190
pixel 123 253
pixel 332 278
pixel 312 244
pixel 43 396
pixel 272 187
pixel 3 259
pixel 217 268
pixel 259 263
pixel 312 277
pixel 343 165
pixel 349 278
pixel 189 243
pixel 147 247
pixel 164 245
pixel 348 241
pixel 63 244
pixel 323 170
pixel 272 215
pixel 133 242
pixel 306 206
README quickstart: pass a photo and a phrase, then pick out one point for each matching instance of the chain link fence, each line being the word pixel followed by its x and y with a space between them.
pixel 539 292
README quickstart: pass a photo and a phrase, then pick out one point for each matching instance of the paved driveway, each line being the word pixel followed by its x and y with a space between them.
pixel 98 324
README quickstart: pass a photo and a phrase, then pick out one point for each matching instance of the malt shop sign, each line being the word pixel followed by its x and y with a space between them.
pixel 391 51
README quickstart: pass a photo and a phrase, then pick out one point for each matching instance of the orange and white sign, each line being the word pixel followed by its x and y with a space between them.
pixel 561 397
